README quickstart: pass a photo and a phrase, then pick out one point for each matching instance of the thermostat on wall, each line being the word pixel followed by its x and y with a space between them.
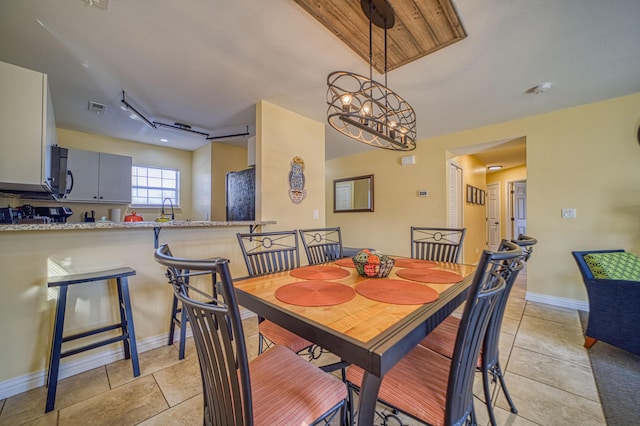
pixel 423 193
pixel 408 159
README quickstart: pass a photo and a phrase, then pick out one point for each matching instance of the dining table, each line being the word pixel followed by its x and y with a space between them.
pixel 369 322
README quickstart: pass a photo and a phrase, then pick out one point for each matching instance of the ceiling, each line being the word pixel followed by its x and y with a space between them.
pixel 207 63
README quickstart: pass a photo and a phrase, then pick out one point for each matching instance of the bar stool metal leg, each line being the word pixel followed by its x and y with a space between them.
pixel 56 349
pixel 172 322
pixel 126 316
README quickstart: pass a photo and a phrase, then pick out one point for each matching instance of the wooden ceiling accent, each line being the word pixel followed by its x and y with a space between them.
pixel 422 27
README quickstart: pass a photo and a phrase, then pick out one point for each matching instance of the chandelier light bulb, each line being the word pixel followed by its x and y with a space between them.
pixel 346 102
pixel 392 129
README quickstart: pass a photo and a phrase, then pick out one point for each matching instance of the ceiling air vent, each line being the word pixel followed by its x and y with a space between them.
pixel 96 107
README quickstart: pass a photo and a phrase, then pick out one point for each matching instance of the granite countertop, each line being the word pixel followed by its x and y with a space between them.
pixel 71 226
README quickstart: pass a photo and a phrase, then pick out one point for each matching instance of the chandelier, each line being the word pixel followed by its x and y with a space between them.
pixel 364 109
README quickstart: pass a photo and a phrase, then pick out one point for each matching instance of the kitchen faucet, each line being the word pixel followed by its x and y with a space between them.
pixel 173 216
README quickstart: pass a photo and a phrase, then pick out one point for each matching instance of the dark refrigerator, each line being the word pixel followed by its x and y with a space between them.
pixel 241 195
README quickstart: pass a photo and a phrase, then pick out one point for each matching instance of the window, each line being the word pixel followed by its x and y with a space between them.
pixel 151 185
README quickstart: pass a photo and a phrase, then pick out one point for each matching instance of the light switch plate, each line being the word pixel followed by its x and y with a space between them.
pixel 568 213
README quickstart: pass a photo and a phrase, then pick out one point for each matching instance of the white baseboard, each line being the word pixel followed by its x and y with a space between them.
pixel 80 365
pixel 557 301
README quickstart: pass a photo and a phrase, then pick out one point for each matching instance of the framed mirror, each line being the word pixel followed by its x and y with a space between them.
pixel 353 194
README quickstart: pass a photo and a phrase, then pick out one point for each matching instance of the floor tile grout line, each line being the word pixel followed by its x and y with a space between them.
pixel 555 387
pixel 556 358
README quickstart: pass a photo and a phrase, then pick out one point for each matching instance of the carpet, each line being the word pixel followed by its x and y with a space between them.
pixel 617 376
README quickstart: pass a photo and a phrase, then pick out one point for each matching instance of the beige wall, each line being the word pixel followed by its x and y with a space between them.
pixel 201 183
pixel 584 157
pixel 282 135
pixel 224 158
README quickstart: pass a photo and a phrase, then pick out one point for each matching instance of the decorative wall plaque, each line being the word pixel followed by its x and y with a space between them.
pixel 297 193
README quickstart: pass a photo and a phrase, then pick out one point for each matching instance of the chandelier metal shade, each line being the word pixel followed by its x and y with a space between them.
pixel 364 109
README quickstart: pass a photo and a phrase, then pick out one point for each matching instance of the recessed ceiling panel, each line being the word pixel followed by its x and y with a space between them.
pixel 422 27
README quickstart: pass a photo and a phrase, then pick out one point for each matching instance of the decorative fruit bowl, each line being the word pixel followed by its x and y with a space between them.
pixel 372 263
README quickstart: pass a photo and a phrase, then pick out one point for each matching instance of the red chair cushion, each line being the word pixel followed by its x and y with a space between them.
pixel 287 390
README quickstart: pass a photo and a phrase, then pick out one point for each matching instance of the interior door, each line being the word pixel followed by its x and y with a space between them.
pixel 519 212
pixel 493 216
pixel 344 196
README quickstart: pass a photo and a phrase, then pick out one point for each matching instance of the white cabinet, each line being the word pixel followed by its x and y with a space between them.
pixel 99 177
pixel 27 129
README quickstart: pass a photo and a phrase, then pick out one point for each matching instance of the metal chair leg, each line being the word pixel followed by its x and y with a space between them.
pixel 496 374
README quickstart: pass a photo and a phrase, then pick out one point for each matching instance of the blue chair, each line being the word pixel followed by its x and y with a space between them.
pixel 614 313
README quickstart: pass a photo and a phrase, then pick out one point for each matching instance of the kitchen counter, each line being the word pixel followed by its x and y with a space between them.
pixel 70 226
pixel 33 253
pixel 156 226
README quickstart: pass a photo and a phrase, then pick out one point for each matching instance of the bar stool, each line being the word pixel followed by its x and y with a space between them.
pixel 179 316
pixel 128 336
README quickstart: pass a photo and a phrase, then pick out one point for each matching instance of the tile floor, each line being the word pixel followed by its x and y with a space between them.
pixel 547 371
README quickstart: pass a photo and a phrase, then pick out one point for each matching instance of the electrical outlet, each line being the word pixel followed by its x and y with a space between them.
pixel 568 213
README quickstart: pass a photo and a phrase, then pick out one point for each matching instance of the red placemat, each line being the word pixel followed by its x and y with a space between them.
pixel 403 262
pixel 315 293
pixel 397 292
pixel 319 272
pixel 435 276
pixel 345 261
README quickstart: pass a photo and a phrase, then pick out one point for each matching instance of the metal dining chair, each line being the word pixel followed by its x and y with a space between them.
pixel 438 244
pixel 322 245
pixel 434 389
pixel 265 253
pixel 442 338
pixel 276 387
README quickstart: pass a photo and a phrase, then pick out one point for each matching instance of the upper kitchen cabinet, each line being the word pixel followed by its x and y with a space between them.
pixel 99 177
pixel 27 130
